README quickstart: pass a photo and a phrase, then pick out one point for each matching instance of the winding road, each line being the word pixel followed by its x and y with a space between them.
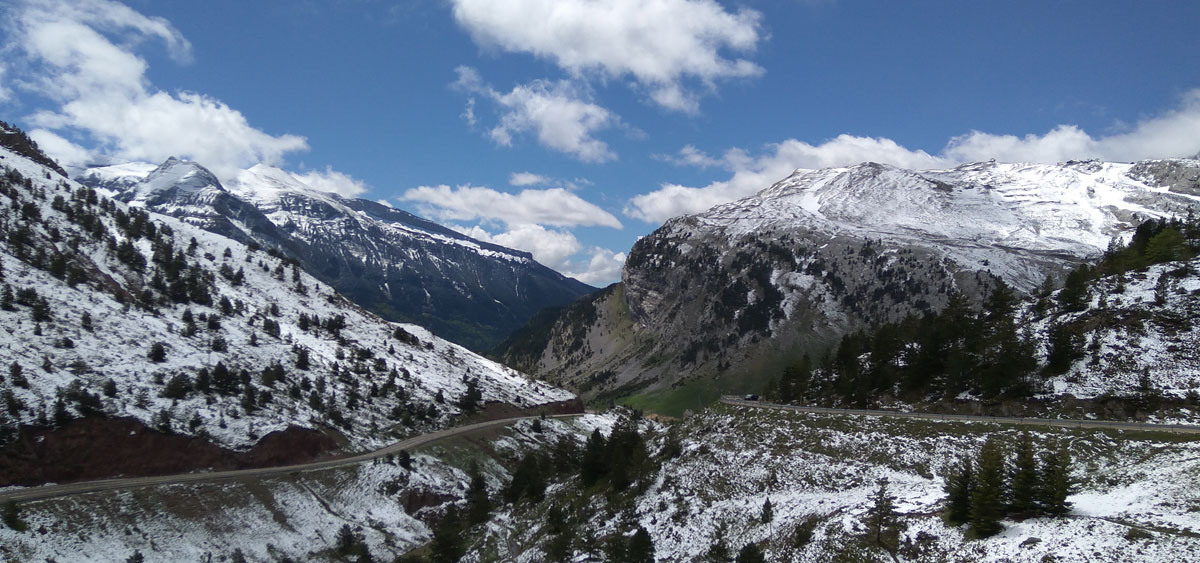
pixel 1057 422
pixel 68 489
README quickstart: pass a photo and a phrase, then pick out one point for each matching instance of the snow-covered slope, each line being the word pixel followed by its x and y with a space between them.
pixel 392 262
pixel 731 291
pixel 96 284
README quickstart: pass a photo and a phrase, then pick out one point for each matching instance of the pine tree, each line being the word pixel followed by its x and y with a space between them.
pixel 883 522
pixel 1075 294
pixel 718 552
pixel 1056 482
pixel 750 553
pixel 1023 499
pixel 157 353
pixel 478 503
pixel 594 464
pixel 16 374
pixel 447 545
pixel 767 512
pixel 987 500
pixel 641 547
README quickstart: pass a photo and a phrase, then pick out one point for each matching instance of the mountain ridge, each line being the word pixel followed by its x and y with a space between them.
pixel 729 293
pixel 397 264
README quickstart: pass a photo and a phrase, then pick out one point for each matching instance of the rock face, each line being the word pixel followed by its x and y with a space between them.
pixel 738 288
pixel 396 264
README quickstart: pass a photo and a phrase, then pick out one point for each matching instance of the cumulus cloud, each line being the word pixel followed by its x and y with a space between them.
pixel 555 206
pixel 551 247
pixel 558 113
pixel 602 267
pixel 528 179
pixel 1175 133
pixel 668 47
pixel 102 93
pixel 558 250
pixel 331 180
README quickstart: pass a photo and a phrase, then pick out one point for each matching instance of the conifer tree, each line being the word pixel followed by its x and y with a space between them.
pixel 157 353
pixel 594 465
pixel 987 500
pixel 1075 295
pixel 883 522
pixel 641 547
pixel 718 552
pixel 768 513
pixel 959 485
pixel 478 503
pixel 1056 482
pixel 447 545
pixel 1023 498
pixel 750 553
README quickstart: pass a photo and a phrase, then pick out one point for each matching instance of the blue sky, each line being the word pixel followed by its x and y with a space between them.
pixel 571 127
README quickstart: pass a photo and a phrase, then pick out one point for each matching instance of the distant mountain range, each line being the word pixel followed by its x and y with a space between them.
pixel 396 264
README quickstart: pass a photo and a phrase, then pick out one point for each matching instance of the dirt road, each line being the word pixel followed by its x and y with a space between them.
pixel 51 491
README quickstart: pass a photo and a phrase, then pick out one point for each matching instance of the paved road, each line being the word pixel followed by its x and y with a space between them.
pixel 1180 428
pixel 51 491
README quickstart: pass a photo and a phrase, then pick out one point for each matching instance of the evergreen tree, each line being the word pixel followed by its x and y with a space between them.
pixel 750 553
pixel 16 374
pixel 1056 482
pixel 1075 294
pixel 987 499
pixel 1023 498
pixel 767 512
pixel 479 506
pixel 718 552
pixel 472 396
pixel 157 353
pixel 137 557
pixel 447 545
pixel 594 464
pixel 641 547
pixel 883 522
pixel 1065 346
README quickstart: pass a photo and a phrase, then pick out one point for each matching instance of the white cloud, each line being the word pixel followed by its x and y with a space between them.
pixel 61 150
pixel 558 250
pixel 557 113
pixel 602 268
pixel 555 206
pixel 528 179
pixel 103 94
pixel 1175 133
pixel 663 44
pixel 331 180
pixel 550 247
pixel 5 93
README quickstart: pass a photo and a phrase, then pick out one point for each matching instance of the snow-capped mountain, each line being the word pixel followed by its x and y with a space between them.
pixel 401 266
pixel 114 314
pixel 824 252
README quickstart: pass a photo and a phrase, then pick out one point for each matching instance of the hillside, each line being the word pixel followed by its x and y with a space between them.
pixel 744 288
pixel 395 264
pixel 122 322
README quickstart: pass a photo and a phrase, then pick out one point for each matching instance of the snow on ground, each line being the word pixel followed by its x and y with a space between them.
pixel 116 346
pixel 297 516
pixel 1137 337
pixel 828 467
